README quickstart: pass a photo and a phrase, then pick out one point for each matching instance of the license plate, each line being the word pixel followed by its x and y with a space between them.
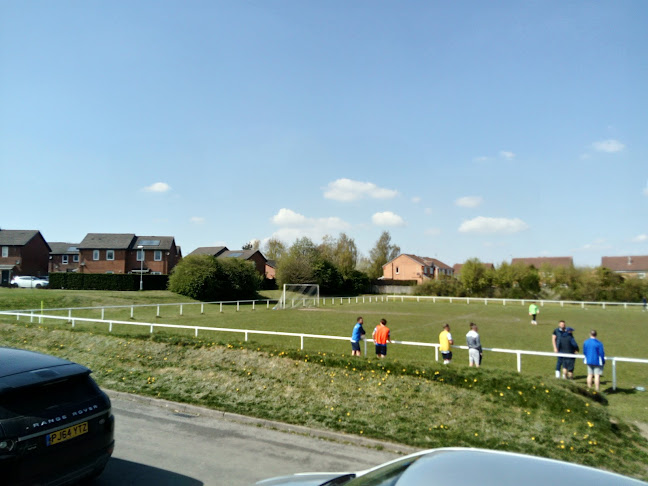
pixel 66 434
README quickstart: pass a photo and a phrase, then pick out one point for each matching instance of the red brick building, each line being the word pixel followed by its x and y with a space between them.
pixel 412 267
pixel 22 252
pixel 63 257
pixel 128 253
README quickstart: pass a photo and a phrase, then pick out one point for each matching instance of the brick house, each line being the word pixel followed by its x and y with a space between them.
pixel 209 250
pixel 254 256
pixel 412 267
pixel 537 262
pixel 22 252
pixel 128 253
pixel 63 257
pixel 628 266
pixel 271 269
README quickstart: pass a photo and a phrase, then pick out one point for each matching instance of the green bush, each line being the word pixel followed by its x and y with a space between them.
pixel 206 278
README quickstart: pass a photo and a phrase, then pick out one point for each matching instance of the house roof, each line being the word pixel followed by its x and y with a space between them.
pixel 537 262
pixel 626 263
pixel 242 254
pixel 59 248
pixel 16 237
pixel 108 241
pixel 426 261
pixel 154 242
pixel 209 250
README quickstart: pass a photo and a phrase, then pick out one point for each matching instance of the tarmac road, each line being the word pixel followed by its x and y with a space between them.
pixel 161 443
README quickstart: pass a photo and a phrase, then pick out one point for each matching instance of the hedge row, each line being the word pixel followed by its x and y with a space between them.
pixel 106 281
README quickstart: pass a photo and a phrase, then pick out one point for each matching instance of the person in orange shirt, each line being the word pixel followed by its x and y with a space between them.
pixel 381 337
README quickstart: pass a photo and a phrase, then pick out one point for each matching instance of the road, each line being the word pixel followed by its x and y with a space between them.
pixel 162 446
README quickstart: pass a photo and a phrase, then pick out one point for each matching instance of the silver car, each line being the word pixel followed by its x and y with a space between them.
pixel 462 467
pixel 29 282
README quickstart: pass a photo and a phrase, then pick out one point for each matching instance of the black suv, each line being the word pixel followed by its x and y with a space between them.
pixel 56 425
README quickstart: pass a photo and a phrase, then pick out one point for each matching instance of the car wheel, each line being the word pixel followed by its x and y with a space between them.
pixel 14 285
pixel 38 286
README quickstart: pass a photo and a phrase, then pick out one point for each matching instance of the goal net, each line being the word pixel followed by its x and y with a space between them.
pixel 299 295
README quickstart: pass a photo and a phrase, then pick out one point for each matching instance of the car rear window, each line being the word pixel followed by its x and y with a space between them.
pixel 31 401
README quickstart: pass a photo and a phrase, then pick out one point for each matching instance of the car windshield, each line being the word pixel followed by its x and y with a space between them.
pixel 386 475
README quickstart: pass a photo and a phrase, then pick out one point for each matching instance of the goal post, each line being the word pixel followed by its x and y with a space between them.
pixel 299 295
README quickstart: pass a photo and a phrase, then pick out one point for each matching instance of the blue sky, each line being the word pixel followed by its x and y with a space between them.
pixel 466 129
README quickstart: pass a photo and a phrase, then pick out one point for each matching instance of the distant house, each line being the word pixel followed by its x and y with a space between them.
pixel 628 266
pixel 64 257
pixel 209 250
pixel 457 268
pixel 254 256
pixel 22 252
pixel 271 269
pixel 127 253
pixel 413 267
pixel 537 262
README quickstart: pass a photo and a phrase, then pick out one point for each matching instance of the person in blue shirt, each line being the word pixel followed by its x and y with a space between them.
pixel 356 337
pixel 594 359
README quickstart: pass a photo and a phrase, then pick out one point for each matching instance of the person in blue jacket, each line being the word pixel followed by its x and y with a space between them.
pixel 594 359
pixel 356 337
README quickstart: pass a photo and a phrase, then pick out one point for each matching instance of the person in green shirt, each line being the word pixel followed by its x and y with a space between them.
pixel 533 312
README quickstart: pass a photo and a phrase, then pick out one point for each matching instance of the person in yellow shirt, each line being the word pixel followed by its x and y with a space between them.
pixel 445 341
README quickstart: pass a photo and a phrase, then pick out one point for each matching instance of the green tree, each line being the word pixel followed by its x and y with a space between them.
pixel 297 265
pixel 476 278
pixel 346 255
pixel 380 254
pixel 274 249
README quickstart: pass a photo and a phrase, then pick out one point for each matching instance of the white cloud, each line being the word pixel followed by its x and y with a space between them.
pixel 433 231
pixel 197 219
pixel 387 218
pixel 507 155
pixel 609 146
pixel 640 238
pixel 416 199
pixel 485 225
pixel 347 190
pixel 158 187
pixel 469 201
pixel 294 225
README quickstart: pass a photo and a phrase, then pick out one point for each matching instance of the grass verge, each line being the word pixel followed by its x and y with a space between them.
pixel 408 401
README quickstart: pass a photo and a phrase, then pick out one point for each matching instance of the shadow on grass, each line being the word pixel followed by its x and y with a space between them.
pixel 620 391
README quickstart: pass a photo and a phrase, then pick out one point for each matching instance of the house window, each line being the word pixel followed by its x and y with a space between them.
pixel 110 254
pixel 157 256
pixel 140 255
pixel 75 258
pixel 5 251
pixel 95 255
pixel 397 270
pixel 156 273
pixel 110 272
pixel 64 259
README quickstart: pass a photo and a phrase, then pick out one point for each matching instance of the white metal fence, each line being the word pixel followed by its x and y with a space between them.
pixel 518 352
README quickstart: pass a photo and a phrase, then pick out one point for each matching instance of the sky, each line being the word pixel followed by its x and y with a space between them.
pixel 466 129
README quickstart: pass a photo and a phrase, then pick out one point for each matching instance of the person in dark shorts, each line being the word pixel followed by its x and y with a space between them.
pixel 381 336
pixel 445 341
pixel 557 334
pixel 567 344
pixel 356 336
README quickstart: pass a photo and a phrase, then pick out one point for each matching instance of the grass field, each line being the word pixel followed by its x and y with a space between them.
pixel 428 405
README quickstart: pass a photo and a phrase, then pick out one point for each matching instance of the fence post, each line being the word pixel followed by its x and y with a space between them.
pixel 180 309
pixel 349 300
pixel 356 300
pixel 238 306
pixel 614 380
pixel 451 300
pixel 562 304
pixel 246 336
pixel 202 308
pixel 582 305
pixel 132 311
pixel 31 318
pixel 151 328
pixel 365 343
pixel 519 362
pixel 110 326
pixel 196 333
pixel 221 307
pixel 467 300
pixel 603 305
pixel 301 339
pixel 158 312
pixel 402 299
pixel 485 301
pixel 267 304
pixel 253 304
pixel 504 302
pixel 436 353
pixel 102 313
pixel 434 300
pixel 72 322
